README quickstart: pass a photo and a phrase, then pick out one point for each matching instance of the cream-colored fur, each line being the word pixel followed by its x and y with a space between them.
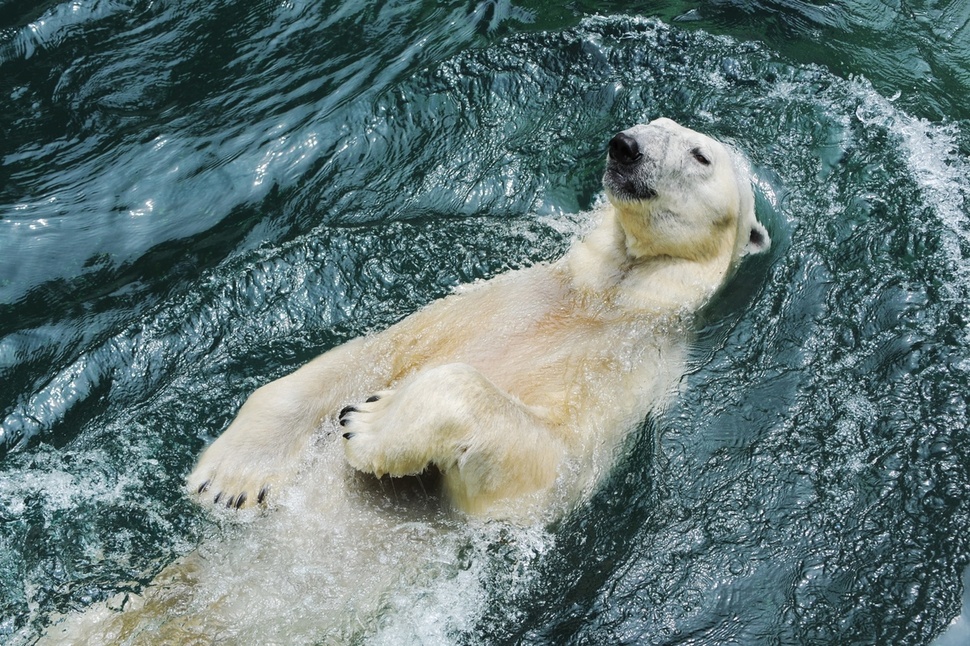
pixel 518 390
pixel 513 382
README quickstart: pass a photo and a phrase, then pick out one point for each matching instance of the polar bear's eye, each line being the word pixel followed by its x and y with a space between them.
pixel 699 156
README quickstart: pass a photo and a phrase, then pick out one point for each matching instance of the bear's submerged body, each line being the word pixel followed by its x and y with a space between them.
pixel 518 390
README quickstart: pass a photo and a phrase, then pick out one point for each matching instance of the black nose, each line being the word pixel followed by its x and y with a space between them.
pixel 624 149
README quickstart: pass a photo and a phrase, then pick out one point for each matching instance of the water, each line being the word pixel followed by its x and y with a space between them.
pixel 196 198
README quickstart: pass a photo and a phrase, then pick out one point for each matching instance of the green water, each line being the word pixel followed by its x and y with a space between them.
pixel 196 198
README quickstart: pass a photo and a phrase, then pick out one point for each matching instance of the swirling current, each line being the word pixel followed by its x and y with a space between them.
pixel 196 198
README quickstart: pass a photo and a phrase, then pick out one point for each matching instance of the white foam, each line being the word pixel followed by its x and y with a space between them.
pixel 933 158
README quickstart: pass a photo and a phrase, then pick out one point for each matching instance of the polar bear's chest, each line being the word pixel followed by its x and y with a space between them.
pixel 566 362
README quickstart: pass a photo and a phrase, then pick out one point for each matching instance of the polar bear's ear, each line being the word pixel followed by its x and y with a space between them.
pixel 758 239
pixel 754 237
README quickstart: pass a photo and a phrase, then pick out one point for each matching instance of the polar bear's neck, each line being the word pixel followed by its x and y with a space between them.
pixel 603 266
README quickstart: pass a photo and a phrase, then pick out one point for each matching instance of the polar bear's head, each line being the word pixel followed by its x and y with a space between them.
pixel 680 194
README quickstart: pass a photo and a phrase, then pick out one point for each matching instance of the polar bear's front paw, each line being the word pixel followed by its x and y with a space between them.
pixel 244 464
pixel 260 450
pixel 378 434
pixel 223 476
pixel 361 423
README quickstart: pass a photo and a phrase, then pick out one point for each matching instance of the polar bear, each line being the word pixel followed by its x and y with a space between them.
pixel 519 389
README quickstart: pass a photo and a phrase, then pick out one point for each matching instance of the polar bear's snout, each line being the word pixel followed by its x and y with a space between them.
pixel 624 149
pixel 627 168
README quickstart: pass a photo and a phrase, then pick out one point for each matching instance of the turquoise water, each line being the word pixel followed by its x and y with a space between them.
pixel 196 198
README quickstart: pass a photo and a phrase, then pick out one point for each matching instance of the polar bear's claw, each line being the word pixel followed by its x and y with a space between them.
pixel 344 412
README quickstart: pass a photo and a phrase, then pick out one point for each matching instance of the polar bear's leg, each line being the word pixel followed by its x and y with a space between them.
pixel 487 445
